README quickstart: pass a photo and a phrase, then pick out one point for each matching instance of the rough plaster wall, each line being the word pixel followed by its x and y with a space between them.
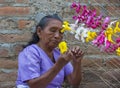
pixel 19 17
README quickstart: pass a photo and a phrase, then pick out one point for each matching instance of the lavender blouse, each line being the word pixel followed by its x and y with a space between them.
pixel 34 62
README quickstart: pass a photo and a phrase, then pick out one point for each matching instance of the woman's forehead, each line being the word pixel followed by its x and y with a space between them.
pixel 55 23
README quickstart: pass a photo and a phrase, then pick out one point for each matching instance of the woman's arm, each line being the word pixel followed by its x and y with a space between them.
pixel 45 79
pixel 76 76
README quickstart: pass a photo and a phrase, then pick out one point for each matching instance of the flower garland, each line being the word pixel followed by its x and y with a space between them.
pixel 86 30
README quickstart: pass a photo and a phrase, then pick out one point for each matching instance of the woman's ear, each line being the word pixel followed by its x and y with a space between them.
pixel 39 31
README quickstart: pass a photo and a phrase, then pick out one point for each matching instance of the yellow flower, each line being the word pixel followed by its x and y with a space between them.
pixel 109 33
pixel 91 36
pixel 118 51
pixel 63 47
pixel 117 28
pixel 65 26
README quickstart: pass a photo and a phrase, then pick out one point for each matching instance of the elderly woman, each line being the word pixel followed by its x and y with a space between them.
pixel 41 65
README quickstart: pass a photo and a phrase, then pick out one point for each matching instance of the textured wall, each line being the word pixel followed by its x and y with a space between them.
pixel 19 17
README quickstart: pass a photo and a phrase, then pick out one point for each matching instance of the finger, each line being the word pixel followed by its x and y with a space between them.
pixel 75 49
pixel 80 54
pixel 78 51
pixel 69 53
pixel 72 49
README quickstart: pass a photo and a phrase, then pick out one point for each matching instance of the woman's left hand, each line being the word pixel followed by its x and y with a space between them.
pixel 77 53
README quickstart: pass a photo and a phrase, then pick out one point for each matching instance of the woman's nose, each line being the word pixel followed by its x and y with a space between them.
pixel 57 35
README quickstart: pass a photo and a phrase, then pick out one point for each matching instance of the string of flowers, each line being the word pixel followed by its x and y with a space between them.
pixel 96 30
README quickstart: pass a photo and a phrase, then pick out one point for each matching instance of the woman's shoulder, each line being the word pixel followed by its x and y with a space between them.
pixel 30 53
pixel 31 49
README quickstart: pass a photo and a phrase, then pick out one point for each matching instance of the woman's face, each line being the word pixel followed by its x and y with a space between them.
pixel 50 36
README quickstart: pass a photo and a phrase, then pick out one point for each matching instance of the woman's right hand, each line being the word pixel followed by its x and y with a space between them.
pixel 66 57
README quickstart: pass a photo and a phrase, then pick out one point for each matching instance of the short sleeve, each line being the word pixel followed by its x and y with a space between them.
pixel 68 69
pixel 29 64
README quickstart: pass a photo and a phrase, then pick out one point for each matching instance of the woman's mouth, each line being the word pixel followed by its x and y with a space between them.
pixel 55 42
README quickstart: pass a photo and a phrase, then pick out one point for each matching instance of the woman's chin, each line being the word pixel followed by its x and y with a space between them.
pixel 54 45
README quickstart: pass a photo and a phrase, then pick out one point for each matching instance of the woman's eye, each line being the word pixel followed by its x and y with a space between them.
pixel 53 30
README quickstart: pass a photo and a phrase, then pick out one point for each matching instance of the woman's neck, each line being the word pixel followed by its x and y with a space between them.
pixel 47 50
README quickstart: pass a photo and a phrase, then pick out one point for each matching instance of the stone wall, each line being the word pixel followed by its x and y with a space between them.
pixel 17 23
pixel 19 17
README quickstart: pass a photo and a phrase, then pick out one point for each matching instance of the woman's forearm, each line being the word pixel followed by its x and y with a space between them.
pixel 76 76
pixel 45 79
